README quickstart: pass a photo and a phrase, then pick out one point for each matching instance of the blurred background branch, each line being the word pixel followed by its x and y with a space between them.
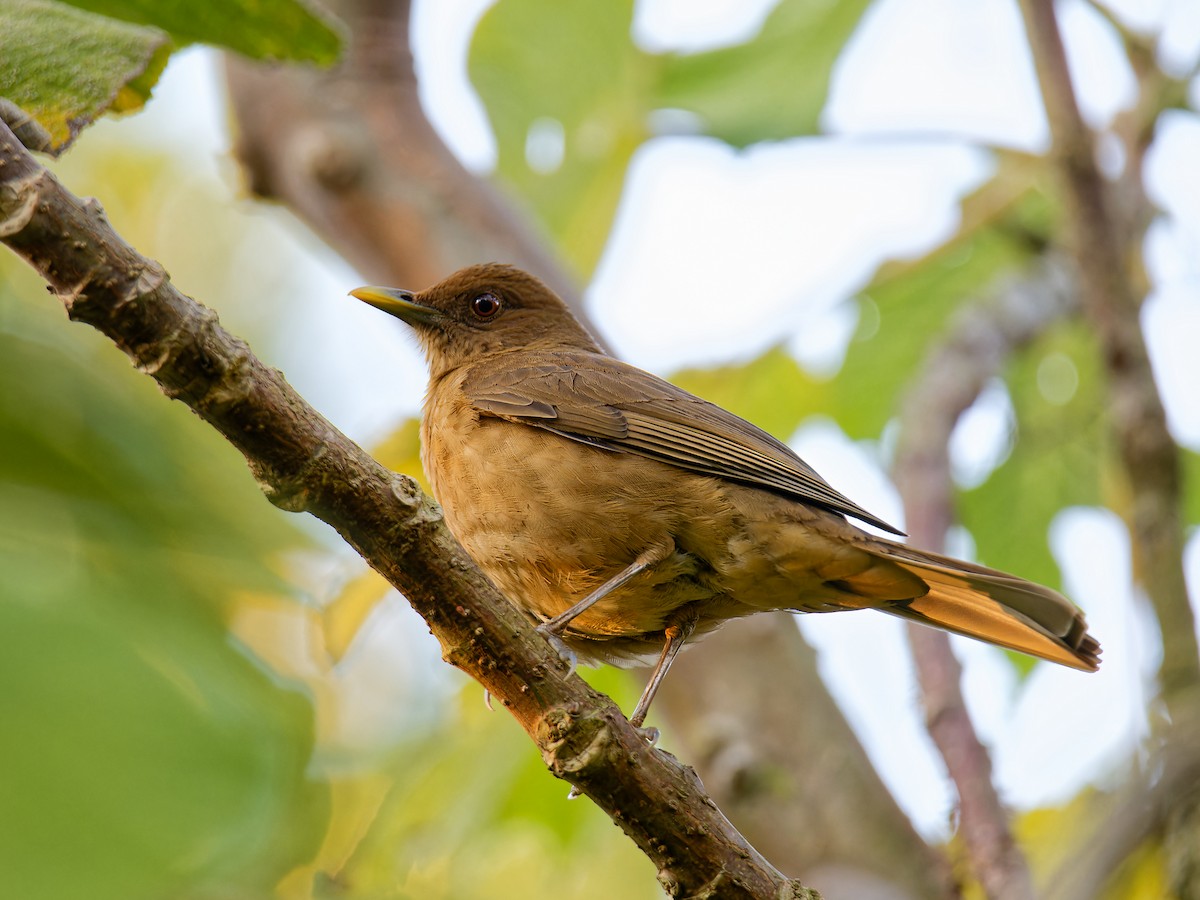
pixel 980 339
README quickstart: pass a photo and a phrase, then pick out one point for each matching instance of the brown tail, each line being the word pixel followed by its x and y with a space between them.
pixel 995 607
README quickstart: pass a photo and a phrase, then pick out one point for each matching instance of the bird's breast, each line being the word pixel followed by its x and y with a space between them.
pixel 550 519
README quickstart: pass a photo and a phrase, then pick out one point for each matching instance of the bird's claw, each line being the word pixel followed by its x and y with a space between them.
pixel 565 653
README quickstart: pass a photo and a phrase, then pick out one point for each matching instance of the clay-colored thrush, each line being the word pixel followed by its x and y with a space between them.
pixel 628 515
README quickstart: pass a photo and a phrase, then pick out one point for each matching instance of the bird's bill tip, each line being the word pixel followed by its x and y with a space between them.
pixel 397 302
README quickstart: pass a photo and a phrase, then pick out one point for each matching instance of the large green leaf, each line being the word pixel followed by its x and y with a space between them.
pixel 569 78
pixel 66 63
pixel 1061 456
pixel 771 87
pixel 547 68
pixel 261 29
pixel 138 768
pixel 908 306
pixel 64 67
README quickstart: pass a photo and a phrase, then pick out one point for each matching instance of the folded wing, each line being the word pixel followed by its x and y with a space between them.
pixel 608 404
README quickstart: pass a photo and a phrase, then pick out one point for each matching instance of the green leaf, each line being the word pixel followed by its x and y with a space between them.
pixel 261 29
pixel 544 69
pixel 136 769
pixel 772 391
pixel 1061 456
pixel 65 67
pixel 569 77
pixel 1191 486
pixel 903 312
pixel 771 87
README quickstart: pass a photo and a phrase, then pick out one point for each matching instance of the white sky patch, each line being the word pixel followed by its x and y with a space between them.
pixel 820 344
pixel 939 66
pixel 661 26
pixel 717 253
pixel 442 33
pixel 1100 70
pixel 982 438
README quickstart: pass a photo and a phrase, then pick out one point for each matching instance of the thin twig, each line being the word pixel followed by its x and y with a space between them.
pixel 1148 453
pixel 980 339
pixel 1105 254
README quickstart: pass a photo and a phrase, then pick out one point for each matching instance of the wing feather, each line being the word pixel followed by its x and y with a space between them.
pixel 606 403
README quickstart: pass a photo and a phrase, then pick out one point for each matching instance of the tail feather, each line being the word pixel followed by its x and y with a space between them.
pixel 995 607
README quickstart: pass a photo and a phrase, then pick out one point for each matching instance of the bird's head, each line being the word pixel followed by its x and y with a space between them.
pixel 479 311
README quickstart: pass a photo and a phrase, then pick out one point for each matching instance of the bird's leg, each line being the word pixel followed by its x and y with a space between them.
pixel 676 634
pixel 648 558
pixel 552 628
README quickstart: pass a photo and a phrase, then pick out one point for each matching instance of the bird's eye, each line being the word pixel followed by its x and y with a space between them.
pixel 485 305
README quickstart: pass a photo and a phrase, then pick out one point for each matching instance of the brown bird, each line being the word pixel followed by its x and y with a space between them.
pixel 629 516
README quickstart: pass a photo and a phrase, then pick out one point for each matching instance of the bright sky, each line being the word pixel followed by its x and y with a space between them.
pixel 788 231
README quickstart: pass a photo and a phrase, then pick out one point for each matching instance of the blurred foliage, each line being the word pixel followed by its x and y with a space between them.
pixel 447 828
pixel 1060 457
pixel 1142 876
pixel 145 754
pixel 565 143
pixel 1049 839
pixel 66 63
pixel 150 750
pixel 769 88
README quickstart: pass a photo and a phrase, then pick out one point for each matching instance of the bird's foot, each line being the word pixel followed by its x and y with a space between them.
pixel 574 794
pixel 565 653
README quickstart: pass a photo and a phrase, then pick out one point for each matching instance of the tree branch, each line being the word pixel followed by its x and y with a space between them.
pixel 1148 453
pixel 1106 251
pixel 305 464
pixel 980 339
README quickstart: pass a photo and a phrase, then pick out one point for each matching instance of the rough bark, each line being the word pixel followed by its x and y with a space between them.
pixel 305 464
